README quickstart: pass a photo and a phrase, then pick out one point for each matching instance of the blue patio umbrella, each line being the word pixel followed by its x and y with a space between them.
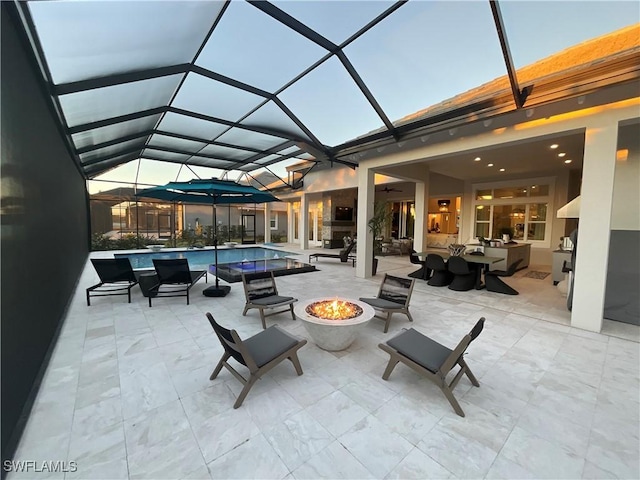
pixel 209 191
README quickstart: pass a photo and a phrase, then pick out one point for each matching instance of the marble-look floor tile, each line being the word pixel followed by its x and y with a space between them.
pixel 271 407
pixel 337 413
pixel 173 457
pixel 297 439
pixel 253 459
pixel 333 462
pixel 207 403
pixel 418 465
pixel 154 426
pixel 375 445
pixel 463 456
pixel 147 388
pixel 552 460
pixel 551 397
pixel 407 417
pixel 222 433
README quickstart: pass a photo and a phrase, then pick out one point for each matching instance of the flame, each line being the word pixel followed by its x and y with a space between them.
pixel 334 309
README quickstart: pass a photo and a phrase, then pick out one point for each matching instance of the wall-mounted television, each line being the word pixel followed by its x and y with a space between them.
pixel 344 214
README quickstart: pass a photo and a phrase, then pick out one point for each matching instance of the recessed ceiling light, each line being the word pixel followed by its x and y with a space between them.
pixel 568 160
pixel 554 146
pixel 477 159
pixel 489 164
pixel 502 169
pixel 562 154
pixel 533 186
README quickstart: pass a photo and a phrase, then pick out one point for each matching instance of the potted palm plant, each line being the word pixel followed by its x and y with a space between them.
pixel 377 224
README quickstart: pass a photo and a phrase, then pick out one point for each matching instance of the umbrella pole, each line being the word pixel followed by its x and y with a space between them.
pixel 215 240
pixel 218 290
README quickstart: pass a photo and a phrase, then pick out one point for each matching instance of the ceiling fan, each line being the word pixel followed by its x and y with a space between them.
pixel 387 190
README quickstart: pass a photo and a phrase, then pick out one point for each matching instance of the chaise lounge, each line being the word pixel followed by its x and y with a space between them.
pixel 344 255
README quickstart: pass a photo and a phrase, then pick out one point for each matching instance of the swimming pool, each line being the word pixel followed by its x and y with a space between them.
pixel 200 259
pixel 232 262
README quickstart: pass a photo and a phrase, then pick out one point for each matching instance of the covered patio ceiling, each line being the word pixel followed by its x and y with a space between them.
pixel 247 86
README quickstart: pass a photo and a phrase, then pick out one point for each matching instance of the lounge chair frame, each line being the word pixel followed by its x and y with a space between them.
pixel 286 347
pixel 344 255
pixel 116 278
pixel 175 274
pixel 390 300
pixel 261 292
pixel 439 373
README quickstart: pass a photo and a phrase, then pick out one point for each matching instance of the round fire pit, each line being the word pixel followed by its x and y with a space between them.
pixel 333 323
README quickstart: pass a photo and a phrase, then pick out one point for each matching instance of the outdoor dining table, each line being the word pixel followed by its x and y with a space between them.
pixel 482 260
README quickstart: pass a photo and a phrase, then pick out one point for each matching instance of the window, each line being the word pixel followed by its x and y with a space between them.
pixel 518 210
pixel 273 220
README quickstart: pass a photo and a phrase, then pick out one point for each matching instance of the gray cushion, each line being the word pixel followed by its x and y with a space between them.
pixel 272 300
pixel 421 349
pixel 383 304
pixel 268 344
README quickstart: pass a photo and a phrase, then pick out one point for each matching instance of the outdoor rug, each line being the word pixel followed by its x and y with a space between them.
pixel 537 275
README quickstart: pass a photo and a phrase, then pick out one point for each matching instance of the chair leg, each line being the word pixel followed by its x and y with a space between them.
pixel 390 366
pixel 264 322
pixel 293 315
pixel 244 312
pixel 409 314
pixel 387 322
pixel 88 299
pixel 452 400
pixel 216 371
pixel 187 296
pixel 469 374
pixel 149 300
pixel 296 363
pixel 245 390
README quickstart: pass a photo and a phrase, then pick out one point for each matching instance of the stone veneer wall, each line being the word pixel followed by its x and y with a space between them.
pixel 341 198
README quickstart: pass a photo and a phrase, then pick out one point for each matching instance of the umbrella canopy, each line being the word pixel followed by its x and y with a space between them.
pixel 209 191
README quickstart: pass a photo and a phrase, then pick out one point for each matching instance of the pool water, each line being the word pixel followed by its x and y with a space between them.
pixel 200 259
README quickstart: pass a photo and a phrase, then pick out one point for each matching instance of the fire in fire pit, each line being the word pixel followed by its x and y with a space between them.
pixel 333 309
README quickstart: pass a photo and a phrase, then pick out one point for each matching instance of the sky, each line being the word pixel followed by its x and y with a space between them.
pixel 424 53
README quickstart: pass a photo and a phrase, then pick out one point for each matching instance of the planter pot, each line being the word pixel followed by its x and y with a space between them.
pixel 375 266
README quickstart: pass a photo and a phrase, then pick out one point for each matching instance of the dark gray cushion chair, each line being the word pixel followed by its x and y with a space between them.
pixel 441 277
pixel 432 359
pixel 175 278
pixel 464 277
pixel 260 292
pixel 259 353
pixel 495 284
pixel 393 297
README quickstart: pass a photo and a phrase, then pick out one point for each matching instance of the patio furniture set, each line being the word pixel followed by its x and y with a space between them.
pixel 332 323
pixel 462 272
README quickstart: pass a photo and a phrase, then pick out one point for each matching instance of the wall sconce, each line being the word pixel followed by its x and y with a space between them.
pixel 443 205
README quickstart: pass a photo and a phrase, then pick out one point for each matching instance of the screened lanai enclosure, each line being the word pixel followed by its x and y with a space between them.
pixel 102 99
pixel 149 92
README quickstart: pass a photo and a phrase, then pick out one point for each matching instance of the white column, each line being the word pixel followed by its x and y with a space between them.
pixel 422 215
pixel 596 199
pixel 303 233
pixel 267 222
pixel 290 222
pixel 366 197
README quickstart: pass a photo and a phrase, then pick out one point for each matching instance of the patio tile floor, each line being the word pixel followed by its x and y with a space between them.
pixel 127 392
